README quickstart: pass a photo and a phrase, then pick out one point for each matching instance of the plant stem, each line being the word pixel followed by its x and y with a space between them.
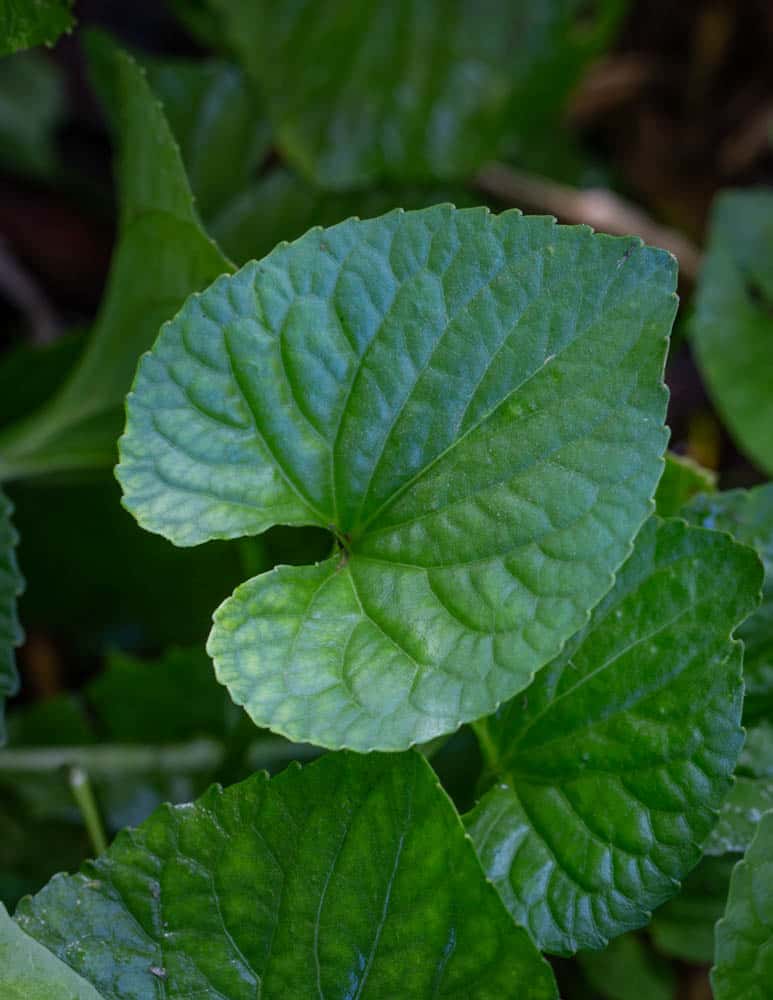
pixel 84 796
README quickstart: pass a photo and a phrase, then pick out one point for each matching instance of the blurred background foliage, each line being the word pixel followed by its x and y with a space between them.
pixel 254 122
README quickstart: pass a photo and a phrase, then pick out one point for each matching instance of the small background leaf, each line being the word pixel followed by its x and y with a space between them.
pixel 748 516
pixel 162 255
pixel 610 768
pixel 411 102
pixel 732 329
pixel 31 108
pixel 682 479
pixel 743 968
pixel 684 927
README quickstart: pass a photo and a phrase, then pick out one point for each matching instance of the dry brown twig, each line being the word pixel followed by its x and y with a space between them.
pixel 600 208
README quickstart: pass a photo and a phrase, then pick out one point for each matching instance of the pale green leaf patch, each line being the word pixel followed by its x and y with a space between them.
pixel 28 971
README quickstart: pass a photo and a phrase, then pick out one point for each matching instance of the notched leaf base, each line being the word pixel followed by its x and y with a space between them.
pixel 475 402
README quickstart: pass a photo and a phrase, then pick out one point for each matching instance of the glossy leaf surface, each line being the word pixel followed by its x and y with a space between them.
pixel 732 330
pixel 162 255
pixel 610 768
pixel 748 516
pixel 471 403
pixel 743 966
pixel 28 971
pixel 411 102
pixel 350 877
pixel 10 629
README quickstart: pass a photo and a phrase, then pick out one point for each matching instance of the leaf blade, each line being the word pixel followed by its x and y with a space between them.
pixel 744 957
pixel 162 255
pixel 479 424
pixel 611 769
pixel 732 326
pixel 748 516
pixel 338 857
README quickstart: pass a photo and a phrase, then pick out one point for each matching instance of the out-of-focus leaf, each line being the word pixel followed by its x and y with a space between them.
pixel 743 964
pixel 682 479
pixel 31 106
pixel 32 850
pixel 740 815
pixel 748 516
pixel 609 770
pixel 130 589
pixel 140 702
pixel 628 970
pixel 28 971
pixel 216 118
pixel 349 877
pixel 10 630
pixel 472 403
pixel 162 255
pixel 30 374
pixel 282 206
pixel 732 329
pixel 26 23
pixel 756 759
pixel 427 88
pixel 684 927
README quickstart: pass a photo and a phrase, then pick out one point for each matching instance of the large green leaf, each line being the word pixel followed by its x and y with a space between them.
pixel 10 588
pixel 411 100
pixel 732 329
pixel 216 118
pixel 610 769
pixel 743 968
pixel 26 23
pixel 28 971
pixel 162 255
pixel 349 877
pixel 471 403
pixel 748 516
pixel 682 479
